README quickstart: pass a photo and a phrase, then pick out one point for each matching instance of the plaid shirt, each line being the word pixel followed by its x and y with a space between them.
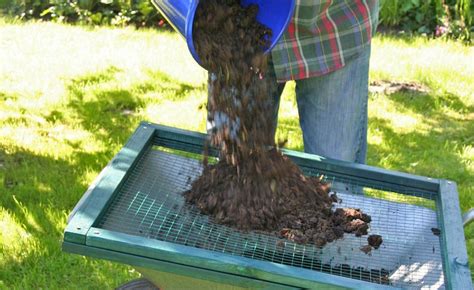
pixel 322 36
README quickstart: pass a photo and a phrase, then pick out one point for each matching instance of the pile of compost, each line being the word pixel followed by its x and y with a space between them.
pixel 254 186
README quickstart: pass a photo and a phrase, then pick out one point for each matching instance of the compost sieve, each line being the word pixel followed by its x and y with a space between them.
pixel 150 204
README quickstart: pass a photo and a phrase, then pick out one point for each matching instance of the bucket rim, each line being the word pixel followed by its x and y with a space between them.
pixel 285 26
pixel 189 30
pixel 190 21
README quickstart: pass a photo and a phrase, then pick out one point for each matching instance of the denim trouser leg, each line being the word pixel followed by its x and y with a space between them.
pixel 333 111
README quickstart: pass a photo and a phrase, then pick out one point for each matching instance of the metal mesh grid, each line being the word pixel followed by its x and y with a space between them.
pixel 150 205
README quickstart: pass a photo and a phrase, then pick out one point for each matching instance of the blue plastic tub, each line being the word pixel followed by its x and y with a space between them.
pixel 275 14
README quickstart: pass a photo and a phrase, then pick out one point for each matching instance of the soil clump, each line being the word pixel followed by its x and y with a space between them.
pixel 375 241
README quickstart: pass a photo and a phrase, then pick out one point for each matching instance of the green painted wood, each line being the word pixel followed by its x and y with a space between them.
pixel 367 174
pixel 455 259
pixel 193 142
pixel 158 268
pixel 78 235
pixel 261 270
pixel 169 280
pixel 95 201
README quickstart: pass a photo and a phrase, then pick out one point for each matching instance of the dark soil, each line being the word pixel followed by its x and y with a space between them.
pixel 375 241
pixel 367 249
pixel 253 186
pixel 391 87
pixel 436 231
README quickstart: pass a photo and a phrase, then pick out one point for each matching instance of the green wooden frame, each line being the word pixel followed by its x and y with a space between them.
pixel 82 237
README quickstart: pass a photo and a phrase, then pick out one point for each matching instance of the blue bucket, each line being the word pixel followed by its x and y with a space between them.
pixel 275 14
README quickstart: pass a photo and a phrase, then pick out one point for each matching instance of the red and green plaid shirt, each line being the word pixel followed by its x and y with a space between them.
pixel 323 35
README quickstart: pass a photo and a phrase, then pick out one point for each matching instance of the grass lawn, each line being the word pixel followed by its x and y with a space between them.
pixel 71 96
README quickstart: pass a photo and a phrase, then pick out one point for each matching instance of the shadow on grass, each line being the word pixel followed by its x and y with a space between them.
pixel 39 191
pixel 434 152
pixel 417 149
pixel 110 115
pixel 448 132
pixel 427 103
pixel 113 113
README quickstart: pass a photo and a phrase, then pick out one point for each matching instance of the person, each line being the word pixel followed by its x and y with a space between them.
pixel 326 51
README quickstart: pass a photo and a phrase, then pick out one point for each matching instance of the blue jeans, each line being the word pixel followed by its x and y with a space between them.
pixel 332 110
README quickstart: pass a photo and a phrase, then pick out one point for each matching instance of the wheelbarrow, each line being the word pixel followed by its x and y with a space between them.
pixel 134 213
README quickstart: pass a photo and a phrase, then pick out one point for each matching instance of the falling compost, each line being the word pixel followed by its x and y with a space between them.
pixel 254 186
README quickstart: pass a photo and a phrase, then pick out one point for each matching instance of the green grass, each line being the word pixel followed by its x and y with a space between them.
pixel 71 96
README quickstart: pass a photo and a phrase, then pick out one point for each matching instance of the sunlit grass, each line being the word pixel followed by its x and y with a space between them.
pixel 71 96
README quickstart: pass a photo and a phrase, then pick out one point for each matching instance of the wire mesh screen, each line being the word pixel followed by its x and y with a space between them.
pixel 150 204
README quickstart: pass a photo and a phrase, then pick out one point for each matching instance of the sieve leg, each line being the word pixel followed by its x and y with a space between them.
pixel 468 217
